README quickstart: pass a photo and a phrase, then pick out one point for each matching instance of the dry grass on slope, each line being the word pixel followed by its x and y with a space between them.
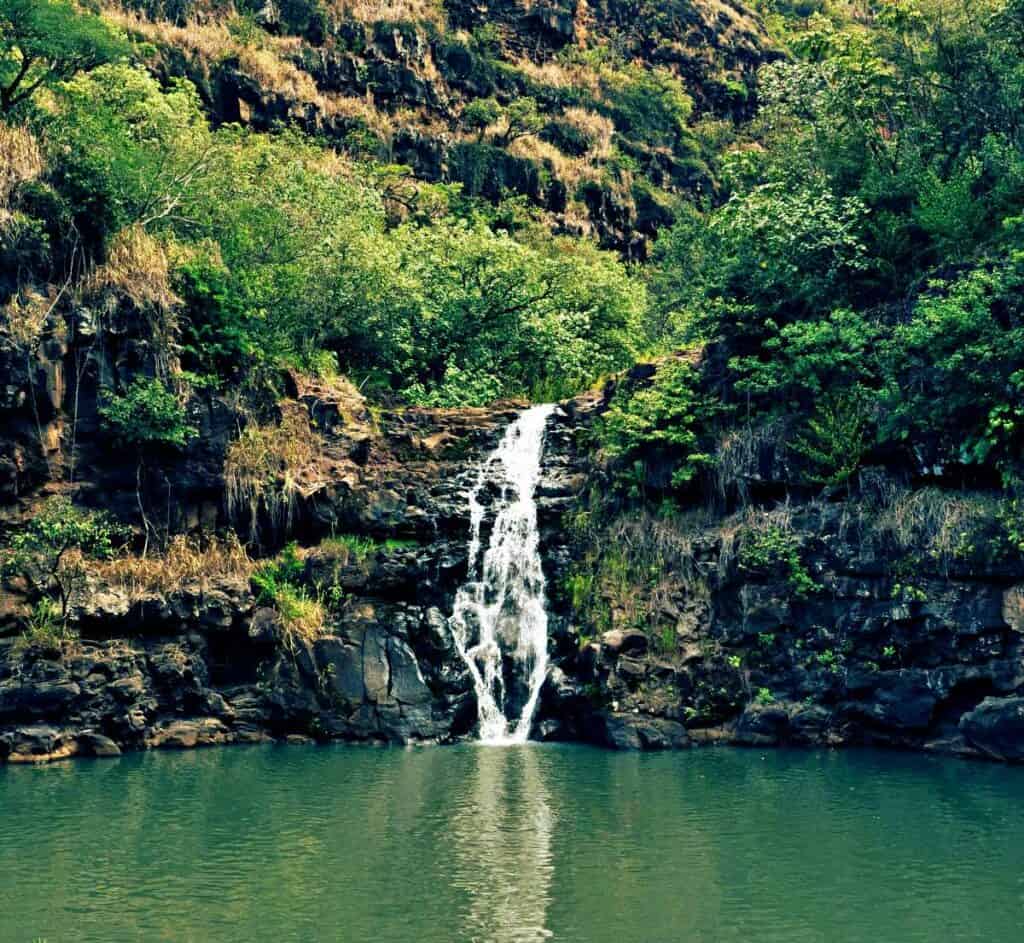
pixel 391 11
pixel 266 468
pixel 209 42
pixel 187 560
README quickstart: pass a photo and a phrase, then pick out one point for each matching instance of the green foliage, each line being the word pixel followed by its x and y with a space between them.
pixel 862 277
pixel 648 104
pixel 487 315
pixel 271 580
pixel 44 626
pixel 772 549
pixel 836 438
pixel 278 583
pixel 50 553
pixel 663 417
pixel 216 333
pixel 1011 517
pixel 521 119
pixel 282 254
pixel 480 114
pixel 148 415
pixel 956 366
pixel 47 41
pixel 127 151
pixel 361 547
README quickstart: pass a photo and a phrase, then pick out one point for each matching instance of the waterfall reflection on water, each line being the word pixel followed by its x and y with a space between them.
pixel 502 846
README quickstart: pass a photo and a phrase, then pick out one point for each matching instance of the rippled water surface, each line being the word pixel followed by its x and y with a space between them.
pixel 512 844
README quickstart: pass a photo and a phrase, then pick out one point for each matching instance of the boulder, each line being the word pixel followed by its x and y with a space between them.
pixel 185 734
pixel 407 684
pixel 996 727
pixel 642 732
pixel 762 725
pixel 96 744
pixel 38 743
pixel 624 642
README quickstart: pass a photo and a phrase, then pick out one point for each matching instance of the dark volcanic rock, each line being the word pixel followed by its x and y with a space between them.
pixel 996 727
pixel 634 732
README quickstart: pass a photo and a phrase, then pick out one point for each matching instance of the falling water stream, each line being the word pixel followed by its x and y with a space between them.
pixel 499 621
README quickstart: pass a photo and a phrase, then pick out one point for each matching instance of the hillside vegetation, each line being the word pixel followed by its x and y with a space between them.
pixel 820 202
pixel 270 273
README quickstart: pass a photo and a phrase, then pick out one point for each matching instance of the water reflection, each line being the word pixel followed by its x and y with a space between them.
pixel 501 844
pixel 283 845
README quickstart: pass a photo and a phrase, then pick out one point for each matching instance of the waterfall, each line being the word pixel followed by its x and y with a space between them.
pixel 499 621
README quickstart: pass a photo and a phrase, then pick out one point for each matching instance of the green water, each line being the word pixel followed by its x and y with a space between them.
pixel 516 844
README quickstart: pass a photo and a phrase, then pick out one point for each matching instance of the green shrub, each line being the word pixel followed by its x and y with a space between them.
pixel 772 548
pixel 662 418
pixel 50 553
pixel 147 415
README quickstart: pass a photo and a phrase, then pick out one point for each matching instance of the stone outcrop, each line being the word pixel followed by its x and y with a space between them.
pixel 206 664
pixel 745 651
pixel 847 652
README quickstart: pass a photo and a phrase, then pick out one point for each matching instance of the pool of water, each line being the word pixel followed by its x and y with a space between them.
pixel 532 843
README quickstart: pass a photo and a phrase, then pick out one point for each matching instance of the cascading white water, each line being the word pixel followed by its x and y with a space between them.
pixel 502 602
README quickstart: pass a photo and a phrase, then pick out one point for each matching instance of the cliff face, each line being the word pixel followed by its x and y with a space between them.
pixel 175 659
pixel 605 152
pixel 745 653
pixel 883 620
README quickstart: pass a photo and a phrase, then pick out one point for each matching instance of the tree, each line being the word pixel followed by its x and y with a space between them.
pixel 50 552
pixel 480 114
pixel 128 152
pixel 490 316
pixel 521 120
pixel 149 417
pixel 48 41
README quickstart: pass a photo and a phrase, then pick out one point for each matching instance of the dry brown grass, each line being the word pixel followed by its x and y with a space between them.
pixel 391 11
pixel 597 128
pixel 572 171
pixel 940 524
pixel 211 41
pixel 187 560
pixel 21 159
pixel 266 466
pixel 738 457
pixel 561 75
pixel 26 314
pixel 137 267
pixel 334 104
pixel 302 616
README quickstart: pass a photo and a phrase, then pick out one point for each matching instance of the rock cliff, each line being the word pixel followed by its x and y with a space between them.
pixel 770 625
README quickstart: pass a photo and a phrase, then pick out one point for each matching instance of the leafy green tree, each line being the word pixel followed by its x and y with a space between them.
pixel 480 114
pixel 522 119
pixel 147 419
pixel 534 318
pixel 127 151
pixel 301 254
pixel 661 419
pixel 51 551
pixel 651 104
pixel 43 42
pixel 955 367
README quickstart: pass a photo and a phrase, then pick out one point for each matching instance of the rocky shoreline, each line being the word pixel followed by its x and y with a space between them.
pixel 857 661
